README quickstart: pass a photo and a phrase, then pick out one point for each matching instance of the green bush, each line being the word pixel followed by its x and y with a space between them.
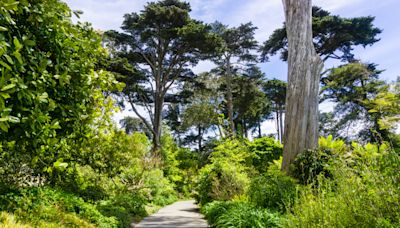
pixel 125 208
pixel 264 150
pixel 221 181
pixel 237 214
pixel 273 190
pixel 38 205
pixel 311 163
pixel 159 189
pixel 364 191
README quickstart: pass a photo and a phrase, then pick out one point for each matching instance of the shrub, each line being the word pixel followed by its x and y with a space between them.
pixel 125 208
pixel 38 205
pixel 159 189
pixel 311 163
pixel 364 191
pixel 264 150
pixel 221 181
pixel 239 214
pixel 8 221
pixel 273 190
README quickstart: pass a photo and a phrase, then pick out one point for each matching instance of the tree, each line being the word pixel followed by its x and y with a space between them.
pixel 275 91
pixel 333 36
pixel 133 124
pixel 162 41
pixel 202 111
pixel 238 42
pixel 354 87
pixel 250 104
pixel 304 69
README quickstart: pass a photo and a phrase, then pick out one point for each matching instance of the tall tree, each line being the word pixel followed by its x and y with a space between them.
pixel 304 69
pixel 250 104
pixel 354 87
pixel 238 44
pixel 162 41
pixel 333 36
pixel 275 91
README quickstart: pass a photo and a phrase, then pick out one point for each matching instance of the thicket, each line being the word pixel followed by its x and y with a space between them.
pixel 341 185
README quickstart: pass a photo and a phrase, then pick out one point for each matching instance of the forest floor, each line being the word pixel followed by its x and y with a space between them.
pixel 179 214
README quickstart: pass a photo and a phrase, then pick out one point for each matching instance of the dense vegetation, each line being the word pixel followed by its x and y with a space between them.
pixel 65 163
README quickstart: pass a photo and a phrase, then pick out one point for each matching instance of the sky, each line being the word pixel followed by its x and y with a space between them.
pixel 267 15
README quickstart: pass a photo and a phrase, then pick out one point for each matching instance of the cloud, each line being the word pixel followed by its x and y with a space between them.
pixel 104 14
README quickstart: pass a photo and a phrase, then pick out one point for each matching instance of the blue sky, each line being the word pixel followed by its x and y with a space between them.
pixel 267 15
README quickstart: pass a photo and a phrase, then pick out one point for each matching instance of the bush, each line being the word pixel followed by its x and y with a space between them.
pixel 239 214
pixel 311 163
pixel 38 205
pixel 273 190
pixel 221 181
pixel 125 208
pixel 159 189
pixel 364 191
pixel 264 150
pixel 8 221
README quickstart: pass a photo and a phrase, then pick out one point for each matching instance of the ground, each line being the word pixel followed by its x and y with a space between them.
pixel 180 214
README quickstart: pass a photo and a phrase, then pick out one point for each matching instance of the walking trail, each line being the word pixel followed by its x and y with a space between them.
pixel 179 214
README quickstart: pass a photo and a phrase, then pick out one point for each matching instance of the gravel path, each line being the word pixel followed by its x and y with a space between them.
pixel 179 214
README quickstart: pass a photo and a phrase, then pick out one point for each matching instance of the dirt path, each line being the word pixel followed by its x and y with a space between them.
pixel 179 214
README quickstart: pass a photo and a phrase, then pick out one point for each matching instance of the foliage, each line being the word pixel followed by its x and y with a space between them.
pixel 333 36
pixel 124 207
pixel 273 190
pixel 8 221
pixel 238 214
pixel 161 42
pixel 38 205
pixel 220 181
pixel 352 87
pixel 50 91
pixel 311 163
pixel 264 151
pixel 363 192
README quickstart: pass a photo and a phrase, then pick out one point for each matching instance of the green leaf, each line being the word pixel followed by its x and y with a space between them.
pixel 3 29
pixel 17 44
pixel 5 65
pixel 4 126
pixel 7 87
pixel 18 56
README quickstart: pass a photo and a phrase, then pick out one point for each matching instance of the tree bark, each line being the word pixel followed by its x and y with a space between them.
pixel 304 68
pixel 158 107
pixel 229 99
pixel 200 135
pixel 281 129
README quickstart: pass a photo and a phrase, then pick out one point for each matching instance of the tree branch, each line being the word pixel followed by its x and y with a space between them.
pixel 146 123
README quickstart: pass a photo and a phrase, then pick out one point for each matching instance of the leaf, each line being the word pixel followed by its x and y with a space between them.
pixel 4 126
pixel 17 44
pixel 7 87
pixel 18 56
pixel 5 65
pixel 13 119
pixel 3 29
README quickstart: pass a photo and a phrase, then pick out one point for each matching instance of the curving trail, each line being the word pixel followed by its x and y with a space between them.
pixel 179 214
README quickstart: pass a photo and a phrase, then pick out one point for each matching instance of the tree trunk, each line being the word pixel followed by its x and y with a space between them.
pixel 229 99
pixel 277 125
pixel 281 129
pixel 304 68
pixel 200 136
pixel 259 129
pixel 158 106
